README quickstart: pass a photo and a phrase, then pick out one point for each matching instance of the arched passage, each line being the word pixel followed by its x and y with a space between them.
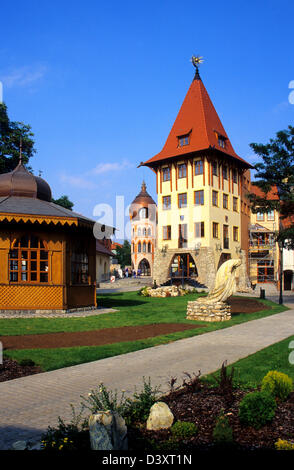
pixel 183 266
pixel 144 267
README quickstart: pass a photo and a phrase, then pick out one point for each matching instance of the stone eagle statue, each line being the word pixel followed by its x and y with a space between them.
pixel 225 283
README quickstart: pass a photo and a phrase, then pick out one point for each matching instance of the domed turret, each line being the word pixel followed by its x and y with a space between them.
pixel 143 198
pixel 20 182
pixel 143 201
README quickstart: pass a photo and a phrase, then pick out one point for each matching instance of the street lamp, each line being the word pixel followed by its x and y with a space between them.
pixel 281 271
pixel 281 246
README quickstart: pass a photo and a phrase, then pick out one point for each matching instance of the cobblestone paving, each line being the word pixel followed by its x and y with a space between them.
pixel 29 404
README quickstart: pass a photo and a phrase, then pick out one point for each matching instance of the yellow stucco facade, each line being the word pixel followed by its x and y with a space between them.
pixel 220 203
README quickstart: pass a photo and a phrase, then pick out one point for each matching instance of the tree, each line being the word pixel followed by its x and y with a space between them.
pixel 64 202
pixel 123 254
pixel 275 174
pixel 11 133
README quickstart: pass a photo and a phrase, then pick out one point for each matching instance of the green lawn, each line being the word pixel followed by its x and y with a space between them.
pixel 249 372
pixel 132 310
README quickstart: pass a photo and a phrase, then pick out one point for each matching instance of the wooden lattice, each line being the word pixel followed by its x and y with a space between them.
pixel 30 297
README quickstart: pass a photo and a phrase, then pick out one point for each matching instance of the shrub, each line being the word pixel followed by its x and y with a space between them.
pixel 27 362
pixel 183 430
pixel 278 384
pixel 138 408
pixel 225 383
pixel 257 408
pixel 222 433
pixel 104 400
pixel 284 445
pixel 171 444
pixel 144 292
pixel 72 436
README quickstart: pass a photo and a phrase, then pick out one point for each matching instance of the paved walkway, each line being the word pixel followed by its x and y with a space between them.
pixel 29 404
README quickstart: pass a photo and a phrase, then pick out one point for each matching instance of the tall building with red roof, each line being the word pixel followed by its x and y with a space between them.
pixel 203 214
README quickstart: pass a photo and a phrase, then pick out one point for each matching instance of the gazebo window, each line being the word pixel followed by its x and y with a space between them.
pixel 28 260
pixel 80 265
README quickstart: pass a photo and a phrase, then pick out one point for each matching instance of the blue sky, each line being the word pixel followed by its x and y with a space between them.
pixel 101 83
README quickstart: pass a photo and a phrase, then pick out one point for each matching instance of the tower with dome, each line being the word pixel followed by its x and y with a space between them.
pixel 143 232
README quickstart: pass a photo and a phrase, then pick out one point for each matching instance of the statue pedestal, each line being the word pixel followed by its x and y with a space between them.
pixel 210 312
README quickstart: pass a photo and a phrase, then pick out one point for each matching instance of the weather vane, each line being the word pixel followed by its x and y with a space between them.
pixel 196 61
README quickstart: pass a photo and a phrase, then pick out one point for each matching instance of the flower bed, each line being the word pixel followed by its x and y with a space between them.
pixel 205 418
pixel 167 291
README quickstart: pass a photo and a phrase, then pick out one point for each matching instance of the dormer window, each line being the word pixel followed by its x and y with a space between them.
pixel 184 140
pixel 222 141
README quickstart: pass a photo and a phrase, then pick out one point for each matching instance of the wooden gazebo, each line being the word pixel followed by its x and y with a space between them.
pixel 47 252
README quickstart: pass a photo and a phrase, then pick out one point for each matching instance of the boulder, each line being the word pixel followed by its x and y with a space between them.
pixel 160 417
pixel 108 431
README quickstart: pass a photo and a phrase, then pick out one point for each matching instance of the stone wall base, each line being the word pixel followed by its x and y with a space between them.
pixel 216 312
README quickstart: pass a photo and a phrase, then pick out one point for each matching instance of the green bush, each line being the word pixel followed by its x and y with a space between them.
pixel 137 409
pixel 278 384
pixel 27 362
pixel 103 399
pixel 222 433
pixel 71 436
pixel 169 445
pixel 257 408
pixel 183 430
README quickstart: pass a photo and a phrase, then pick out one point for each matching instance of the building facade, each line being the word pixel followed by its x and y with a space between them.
pixel 203 212
pixel 104 256
pixel 143 229
pixel 264 255
pixel 47 252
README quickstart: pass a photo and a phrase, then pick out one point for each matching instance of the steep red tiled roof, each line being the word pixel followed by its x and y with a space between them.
pixel 198 117
pixel 114 245
pixel 272 195
pixel 101 248
pixel 288 222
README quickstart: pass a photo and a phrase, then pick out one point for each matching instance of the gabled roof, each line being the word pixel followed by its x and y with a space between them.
pixel 198 118
pixel 100 248
pixel 37 207
pixel 258 228
pixel 272 195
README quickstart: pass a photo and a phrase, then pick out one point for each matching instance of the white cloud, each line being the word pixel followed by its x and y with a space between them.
pixel 23 76
pixel 77 181
pixel 84 181
pixel 109 167
pixel 280 107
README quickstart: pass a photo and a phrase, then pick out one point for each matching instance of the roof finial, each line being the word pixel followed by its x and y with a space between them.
pixel 196 61
pixel 20 150
pixel 143 187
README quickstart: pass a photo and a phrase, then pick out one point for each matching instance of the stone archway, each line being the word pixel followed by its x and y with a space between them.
pixel 144 267
pixel 203 259
pixel 183 266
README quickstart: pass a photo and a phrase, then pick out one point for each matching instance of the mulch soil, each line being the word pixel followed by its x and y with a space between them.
pixel 203 408
pixel 92 337
pixel 11 369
